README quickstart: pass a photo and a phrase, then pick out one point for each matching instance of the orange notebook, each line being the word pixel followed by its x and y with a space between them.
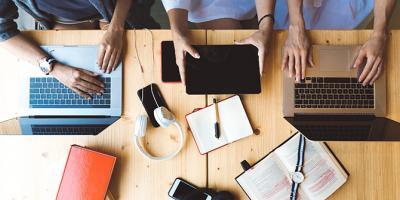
pixel 86 175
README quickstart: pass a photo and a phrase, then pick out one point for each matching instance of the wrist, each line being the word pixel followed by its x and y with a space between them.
pixel 296 28
pixel 266 25
pixel 297 22
pixel 56 69
pixel 381 34
pixel 116 28
pixel 179 34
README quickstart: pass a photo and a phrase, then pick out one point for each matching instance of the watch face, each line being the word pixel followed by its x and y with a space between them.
pixel 44 66
pixel 298 177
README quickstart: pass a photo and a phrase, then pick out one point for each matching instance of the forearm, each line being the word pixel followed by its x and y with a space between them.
pixel 295 9
pixel 382 13
pixel 120 13
pixel 178 19
pixel 265 7
pixel 24 49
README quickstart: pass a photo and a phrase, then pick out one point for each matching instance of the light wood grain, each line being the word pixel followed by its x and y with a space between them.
pixel 24 169
pixel 30 165
pixel 373 166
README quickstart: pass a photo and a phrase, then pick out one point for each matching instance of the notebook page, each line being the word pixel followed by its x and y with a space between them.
pixel 233 118
pixel 266 180
pixel 322 177
pixel 201 124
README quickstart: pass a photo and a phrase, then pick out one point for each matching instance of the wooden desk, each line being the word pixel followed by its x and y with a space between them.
pixel 373 166
pixel 29 166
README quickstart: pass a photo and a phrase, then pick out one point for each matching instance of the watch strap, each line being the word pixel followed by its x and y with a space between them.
pixel 299 166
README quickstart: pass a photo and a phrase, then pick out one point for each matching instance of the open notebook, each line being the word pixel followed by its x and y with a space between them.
pixel 234 124
pixel 270 178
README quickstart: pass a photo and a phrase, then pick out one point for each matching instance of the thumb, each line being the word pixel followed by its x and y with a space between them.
pixel 261 57
pixel 192 51
pixel 311 60
pixel 359 60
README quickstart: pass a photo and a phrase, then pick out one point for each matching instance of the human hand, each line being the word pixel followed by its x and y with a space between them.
pixel 372 51
pixel 182 47
pixel 110 50
pixel 81 81
pixel 296 53
pixel 261 40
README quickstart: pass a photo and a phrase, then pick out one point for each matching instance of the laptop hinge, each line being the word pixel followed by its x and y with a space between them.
pixel 336 117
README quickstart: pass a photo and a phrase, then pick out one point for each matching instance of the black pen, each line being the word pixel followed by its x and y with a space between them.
pixel 216 125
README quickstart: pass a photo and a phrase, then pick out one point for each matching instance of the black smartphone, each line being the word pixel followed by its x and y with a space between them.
pixel 181 189
pixel 169 69
pixel 151 98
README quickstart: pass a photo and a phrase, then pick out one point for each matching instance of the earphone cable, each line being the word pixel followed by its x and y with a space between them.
pixel 141 65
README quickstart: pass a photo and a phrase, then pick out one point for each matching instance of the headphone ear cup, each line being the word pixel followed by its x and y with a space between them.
pixel 140 126
pixel 164 117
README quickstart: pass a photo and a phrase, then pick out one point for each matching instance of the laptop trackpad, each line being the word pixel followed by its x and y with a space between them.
pixel 334 59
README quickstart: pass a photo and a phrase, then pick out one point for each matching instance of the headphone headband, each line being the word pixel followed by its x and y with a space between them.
pixel 162 158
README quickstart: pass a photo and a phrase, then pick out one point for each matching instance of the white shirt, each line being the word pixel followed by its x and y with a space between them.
pixel 326 14
pixel 207 10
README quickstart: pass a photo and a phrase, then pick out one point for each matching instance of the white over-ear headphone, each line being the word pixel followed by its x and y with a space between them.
pixel 165 118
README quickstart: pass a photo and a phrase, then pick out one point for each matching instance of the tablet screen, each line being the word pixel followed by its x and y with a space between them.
pixel 223 69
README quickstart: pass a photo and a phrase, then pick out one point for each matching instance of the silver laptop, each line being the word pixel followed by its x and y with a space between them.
pixel 331 87
pixel 49 107
pixel 330 104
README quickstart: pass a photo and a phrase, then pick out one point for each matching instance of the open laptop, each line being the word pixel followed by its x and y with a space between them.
pixel 50 108
pixel 331 105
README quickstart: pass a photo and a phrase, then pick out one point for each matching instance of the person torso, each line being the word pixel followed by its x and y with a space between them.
pixel 327 14
pixel 206 10
pixel 71 10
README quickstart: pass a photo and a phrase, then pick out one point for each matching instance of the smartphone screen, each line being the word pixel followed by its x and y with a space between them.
pixel 169 69
pixel 182 189
pixel 151 98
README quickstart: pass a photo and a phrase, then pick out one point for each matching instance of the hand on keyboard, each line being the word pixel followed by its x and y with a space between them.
pixel 372 51
pixel 80 81
pixel 296 53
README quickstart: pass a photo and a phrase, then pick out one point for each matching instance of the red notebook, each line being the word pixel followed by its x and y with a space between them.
pixel 86 175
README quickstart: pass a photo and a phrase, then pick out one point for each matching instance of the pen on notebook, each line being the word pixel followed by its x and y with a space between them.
pixel 216 125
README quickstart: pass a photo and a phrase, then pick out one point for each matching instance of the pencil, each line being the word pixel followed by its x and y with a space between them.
pixel 216 125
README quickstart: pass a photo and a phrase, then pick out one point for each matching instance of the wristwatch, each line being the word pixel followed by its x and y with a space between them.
pixel 46 64
pixel 298 176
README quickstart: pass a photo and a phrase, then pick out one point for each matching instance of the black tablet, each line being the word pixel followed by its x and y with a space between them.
pixel 223 69
pixel 169 69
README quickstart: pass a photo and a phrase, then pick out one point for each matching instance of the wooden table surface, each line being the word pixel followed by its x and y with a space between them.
pixel 31 166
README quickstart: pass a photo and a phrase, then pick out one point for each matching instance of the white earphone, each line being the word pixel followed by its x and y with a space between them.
pixel 163 117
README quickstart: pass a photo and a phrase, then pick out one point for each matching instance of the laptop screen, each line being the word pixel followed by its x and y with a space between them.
pixel 65 125
pixel 346 128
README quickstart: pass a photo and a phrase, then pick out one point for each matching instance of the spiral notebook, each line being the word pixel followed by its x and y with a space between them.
pixel 234 124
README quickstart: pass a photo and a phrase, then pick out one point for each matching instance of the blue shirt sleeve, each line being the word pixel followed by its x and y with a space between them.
pixel 8 13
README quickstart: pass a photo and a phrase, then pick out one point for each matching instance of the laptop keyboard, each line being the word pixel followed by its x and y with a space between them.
pixel 48 92
pixel 330 92
pixel 67 129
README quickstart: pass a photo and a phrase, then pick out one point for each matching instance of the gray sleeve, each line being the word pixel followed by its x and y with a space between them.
pixel 8 13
